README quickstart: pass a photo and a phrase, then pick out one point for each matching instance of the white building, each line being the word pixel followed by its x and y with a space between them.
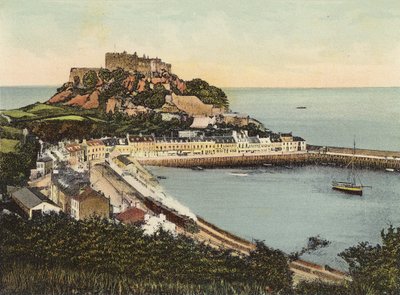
pixel 31 201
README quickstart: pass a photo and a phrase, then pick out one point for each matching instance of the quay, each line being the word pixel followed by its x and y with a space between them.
pixel 314 155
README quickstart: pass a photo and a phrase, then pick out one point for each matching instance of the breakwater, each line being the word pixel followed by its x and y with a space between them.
pixel 339 158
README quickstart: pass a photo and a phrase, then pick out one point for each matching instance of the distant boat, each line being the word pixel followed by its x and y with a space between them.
pixel 267 165
pixel 301 108
pixel 350 186
pixel 198 168
pixel 389 170
pixel 161 177
pixel 238 174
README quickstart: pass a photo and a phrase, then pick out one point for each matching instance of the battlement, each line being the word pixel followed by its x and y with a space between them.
pixel 128 62
pixel 132 62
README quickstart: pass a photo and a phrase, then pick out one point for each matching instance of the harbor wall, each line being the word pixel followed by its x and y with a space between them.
pixel 297 159
pixel 362 152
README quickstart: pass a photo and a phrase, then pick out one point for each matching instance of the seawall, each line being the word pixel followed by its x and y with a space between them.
pixel 338 159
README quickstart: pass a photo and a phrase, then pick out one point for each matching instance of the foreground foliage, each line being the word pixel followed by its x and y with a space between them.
pixel 15 167
pixel 55 248
pixel 376 269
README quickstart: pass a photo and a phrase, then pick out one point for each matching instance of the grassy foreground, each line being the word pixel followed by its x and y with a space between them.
pixel 8 145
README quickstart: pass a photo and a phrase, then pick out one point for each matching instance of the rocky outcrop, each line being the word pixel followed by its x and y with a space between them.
pixel 193 106
pixel 156 80
pixel 78 100
pixel 129 83
pixel 181 85
pixel 134 93
pixel 141 86
pixel 60 97
pixel 111 105
pixel 93 102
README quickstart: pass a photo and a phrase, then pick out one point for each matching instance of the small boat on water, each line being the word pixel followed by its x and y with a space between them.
pixel 198 168
pixel 267 165
pixel 238 174
pixel 301 108
pixel 389 170
pixel 161 177
pixel 350 186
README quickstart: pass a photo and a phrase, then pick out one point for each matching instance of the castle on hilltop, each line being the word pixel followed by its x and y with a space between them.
pixel 150 67
pixel 132 62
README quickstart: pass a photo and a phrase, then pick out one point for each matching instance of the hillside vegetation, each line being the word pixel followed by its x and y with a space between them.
pixel 96 89
pixel 53 253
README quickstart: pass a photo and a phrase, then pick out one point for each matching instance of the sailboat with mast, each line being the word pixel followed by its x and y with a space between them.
pixel 350 186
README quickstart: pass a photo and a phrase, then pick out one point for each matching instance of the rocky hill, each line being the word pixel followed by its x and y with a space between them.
pixel 120 91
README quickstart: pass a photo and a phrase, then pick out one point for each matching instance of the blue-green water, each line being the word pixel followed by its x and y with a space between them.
pixel 284 207
pixel 332 117
pixel 16 97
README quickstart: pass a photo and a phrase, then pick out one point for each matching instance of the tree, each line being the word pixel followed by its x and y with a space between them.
pixel 207 93
pixel 105 75
pixel 264 263
pixel 119 75
pixel 376 269
pixel 90 79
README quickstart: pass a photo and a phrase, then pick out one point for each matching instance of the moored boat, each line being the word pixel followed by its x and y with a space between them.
pixel 350 186
pixel 238 174
pixel 198 168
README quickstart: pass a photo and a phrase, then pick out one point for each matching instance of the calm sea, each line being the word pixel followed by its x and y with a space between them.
pixel 16 97
pixel 332 116
pixel 284 207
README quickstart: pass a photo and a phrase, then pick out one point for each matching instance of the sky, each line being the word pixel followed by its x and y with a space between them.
pixel 266 43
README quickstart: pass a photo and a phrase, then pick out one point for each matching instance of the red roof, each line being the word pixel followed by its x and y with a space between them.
pixel 94 142
pixel 73 147
pixel 132 215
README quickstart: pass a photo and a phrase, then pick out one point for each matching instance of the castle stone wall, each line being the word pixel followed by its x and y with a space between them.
pixel 132 62
pixel 129 62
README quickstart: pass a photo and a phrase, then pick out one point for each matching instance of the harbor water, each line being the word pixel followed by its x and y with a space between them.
pixel 283 207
